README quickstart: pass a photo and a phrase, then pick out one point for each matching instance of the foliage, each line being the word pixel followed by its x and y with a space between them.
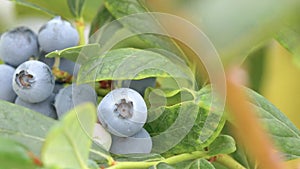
pixel 187 111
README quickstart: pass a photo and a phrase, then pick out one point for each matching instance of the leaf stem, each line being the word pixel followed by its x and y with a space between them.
pixel 170 160
pixel 109 159
pixel 229 162
pixel 80 29
pixel 56 63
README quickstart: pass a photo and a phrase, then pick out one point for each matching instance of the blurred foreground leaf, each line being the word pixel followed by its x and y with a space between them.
pixel 235 27
pixel 14 155
pixel 67 144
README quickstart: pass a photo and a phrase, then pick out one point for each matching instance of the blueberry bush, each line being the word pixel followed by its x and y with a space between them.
pixel 134 84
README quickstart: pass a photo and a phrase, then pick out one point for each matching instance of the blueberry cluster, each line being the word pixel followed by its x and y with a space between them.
pixel 26 76
pixel 28 79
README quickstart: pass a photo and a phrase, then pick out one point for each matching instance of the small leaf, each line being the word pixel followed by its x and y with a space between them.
pixel 67 144
pixel 84 52
pixel 34 6
pixel 14 155
pixel 24 126
pixel 130 63
pixel 223 144
pixel 187 126
pixel 284 133
pixel 75 7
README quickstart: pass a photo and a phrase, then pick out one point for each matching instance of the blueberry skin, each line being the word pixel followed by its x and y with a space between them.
pixel 140 85
pixel 73 95
pixel 33 81
pixel 6 90
pixel 139 143
pixel 122 112
pixel 102 137
pixel 18 45
pixel 57 34
pixel 45 107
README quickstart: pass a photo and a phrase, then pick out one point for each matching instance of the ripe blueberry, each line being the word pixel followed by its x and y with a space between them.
pixel 102 137
pixel 139 143
pixel 45 107
pixel 33 81
pixel 140 85
pixel 70 96
pixel 57 34
pixel 6 76
pixel 18 45
pixel 122 112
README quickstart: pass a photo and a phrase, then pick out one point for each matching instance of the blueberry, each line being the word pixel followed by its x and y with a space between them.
pixel 18 45
pixel 140 85
pixel 57 34
pixel 70 96
pixel 45 107
pixel 102 137
pixel 139 143
pixel 33 81
pixel 6 76
pixel 122 112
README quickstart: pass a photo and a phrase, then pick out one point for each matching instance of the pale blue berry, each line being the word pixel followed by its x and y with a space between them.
pixel 57 34
pixel 18 45
pixel 122 112
pixel 33 81
pixel 6 76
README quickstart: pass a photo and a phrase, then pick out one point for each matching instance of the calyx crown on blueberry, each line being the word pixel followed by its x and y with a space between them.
pixel 124 108
pixel 33 81
pixel 122 112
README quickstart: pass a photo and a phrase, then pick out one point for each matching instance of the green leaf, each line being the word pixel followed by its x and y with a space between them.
pixel 35 6
pixel 102 17
pixel 130 63
pixel 223 144
pixel 77 53
pixel 14 155
pixel 187 126
pixel 142 23
pixel 24 126
pixel 246 31
pixel 290 39
pixel 67 144
pixel 75 7
pixel 285 134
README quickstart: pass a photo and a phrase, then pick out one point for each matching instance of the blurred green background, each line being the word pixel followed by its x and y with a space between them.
pixel 271 68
